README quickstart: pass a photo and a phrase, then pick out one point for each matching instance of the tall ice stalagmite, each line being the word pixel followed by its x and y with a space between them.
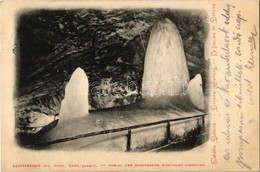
pixel 165 68
pixel 75 103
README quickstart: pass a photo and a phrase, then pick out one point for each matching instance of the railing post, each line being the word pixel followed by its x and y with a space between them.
pixel 168 132
pixel 128 141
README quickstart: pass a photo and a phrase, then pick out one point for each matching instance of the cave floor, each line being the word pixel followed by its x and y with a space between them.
pixel 113 118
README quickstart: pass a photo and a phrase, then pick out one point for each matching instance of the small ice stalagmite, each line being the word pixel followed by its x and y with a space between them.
pixel 165 67
pixel 195 92
pixel 75 103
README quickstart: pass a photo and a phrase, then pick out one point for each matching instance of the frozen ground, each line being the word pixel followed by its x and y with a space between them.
pixel 142 139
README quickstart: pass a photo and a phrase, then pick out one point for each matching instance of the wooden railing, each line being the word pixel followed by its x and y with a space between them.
pixel 129 129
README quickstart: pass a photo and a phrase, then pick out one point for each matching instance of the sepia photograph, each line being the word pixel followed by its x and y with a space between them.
pixel 111 80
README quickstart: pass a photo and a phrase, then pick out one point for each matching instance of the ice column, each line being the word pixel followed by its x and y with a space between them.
pixel 75 103
pixel 165 66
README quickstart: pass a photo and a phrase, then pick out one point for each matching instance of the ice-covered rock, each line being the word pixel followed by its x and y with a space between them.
pixel 165 66
pixel 195 92
pixel 75 103
pixel 38 119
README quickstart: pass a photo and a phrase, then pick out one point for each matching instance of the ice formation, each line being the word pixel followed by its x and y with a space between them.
pixel 75 103
pixel 165 67
pixel 195 92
